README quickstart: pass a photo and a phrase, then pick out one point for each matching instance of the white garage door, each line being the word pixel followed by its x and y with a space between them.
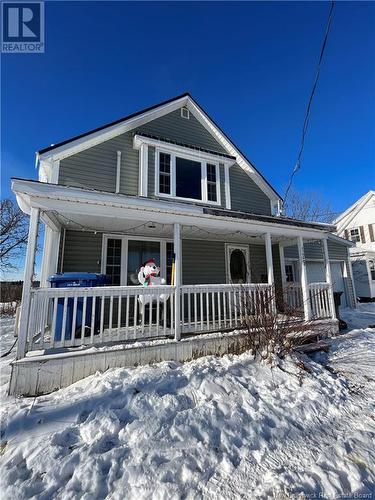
pixel 316 274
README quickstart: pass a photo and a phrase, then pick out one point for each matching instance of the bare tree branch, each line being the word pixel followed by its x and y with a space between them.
pixel 13 233
pixel 308 206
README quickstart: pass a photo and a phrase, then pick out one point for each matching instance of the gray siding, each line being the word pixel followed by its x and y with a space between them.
pixel 246 196
pixel 336 251
pixel 203 262
pixel 82 252
pixel 95 168
pixel 314 251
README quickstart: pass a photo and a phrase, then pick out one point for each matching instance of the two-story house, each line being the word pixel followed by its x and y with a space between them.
pixel 164 183
pixel 357 224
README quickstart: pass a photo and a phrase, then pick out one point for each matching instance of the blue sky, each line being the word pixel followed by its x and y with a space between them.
pixel 250 65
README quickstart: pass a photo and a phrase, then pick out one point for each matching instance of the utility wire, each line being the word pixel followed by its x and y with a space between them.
pixel 308 109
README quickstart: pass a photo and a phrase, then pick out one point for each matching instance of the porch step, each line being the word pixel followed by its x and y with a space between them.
pixel 321 345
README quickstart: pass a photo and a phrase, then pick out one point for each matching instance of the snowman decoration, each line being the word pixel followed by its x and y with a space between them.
pixel 148 276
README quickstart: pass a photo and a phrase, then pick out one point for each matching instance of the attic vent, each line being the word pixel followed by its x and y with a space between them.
pixel 185 113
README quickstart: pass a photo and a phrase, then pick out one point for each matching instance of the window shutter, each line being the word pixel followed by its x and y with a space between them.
pixel 362 231
pixel 346 234
pixel 371 231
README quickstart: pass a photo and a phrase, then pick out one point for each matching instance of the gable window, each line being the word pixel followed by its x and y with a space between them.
pixel 165 173
pixel 185 113
pixel 187 177
pixel 211 182
pixel 354 235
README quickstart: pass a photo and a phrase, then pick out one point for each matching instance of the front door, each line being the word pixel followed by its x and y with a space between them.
pixel 237 264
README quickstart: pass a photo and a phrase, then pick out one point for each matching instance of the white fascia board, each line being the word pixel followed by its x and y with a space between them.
pixel 232 150
pixel 61 199
pixel 107 133
pixel 342 241
pixel 344 219
pixel 176 149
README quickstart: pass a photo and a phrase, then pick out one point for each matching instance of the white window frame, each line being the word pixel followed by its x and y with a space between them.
pixel 124 253
pixel 199 159
pixel 229 248
pixel 356 235
pixel 187 117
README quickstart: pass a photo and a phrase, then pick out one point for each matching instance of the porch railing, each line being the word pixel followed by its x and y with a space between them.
pixel 71 317
pixel 218 307
pixel 319 299
pixel 66 317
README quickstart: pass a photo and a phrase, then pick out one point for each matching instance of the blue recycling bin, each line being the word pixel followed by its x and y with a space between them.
pixel 75 280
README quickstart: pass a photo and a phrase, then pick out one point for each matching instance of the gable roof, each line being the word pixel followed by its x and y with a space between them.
pixel 344 219
pixel 103 133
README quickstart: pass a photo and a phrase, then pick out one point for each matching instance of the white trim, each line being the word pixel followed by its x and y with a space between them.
pixel 327 265
pixel 143 170
pixel 228 202
pixel 118 171
pixel 269 259
pixel 187 117
pixel 303 278
pixel 27 282
pixel 124 253
pixel 229 248
pixel 177 279
pixel 282 265
pixel 194 154
pixel 187 156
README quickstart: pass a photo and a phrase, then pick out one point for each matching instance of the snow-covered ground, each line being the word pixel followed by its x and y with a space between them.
pixel 217 428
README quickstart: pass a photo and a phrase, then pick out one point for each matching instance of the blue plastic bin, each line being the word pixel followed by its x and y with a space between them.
pixel 76 280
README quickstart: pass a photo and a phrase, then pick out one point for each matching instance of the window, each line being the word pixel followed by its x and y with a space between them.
pixel 354 235
pixel 113 264
pixel 165 173
pixel 211 182
pixel 372 269
pixel 289 273
pixel 187 178
pixel 185 113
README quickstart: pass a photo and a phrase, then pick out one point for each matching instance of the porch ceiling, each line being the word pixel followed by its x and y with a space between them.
pixel 155 229
pixel 108 212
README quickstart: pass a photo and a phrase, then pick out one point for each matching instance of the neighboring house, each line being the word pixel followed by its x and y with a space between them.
pixel 164 183
pixel 357 224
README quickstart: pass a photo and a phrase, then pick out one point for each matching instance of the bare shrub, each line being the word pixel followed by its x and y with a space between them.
pixel 271 333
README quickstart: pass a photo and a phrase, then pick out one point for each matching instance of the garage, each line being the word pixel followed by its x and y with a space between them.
pixel 316 274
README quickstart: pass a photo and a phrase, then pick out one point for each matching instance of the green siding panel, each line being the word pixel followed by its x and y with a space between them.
pixel 95 168
pixel 203 262
pixel 314 251
pixel 246 196
pixel 82 252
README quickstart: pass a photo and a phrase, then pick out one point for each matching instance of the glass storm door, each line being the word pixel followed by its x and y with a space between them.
pixel 238 264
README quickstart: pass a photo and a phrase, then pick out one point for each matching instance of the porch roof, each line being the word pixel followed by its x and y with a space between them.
pixel 63 206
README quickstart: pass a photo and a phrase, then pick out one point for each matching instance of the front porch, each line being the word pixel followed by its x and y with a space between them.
pixel 213 298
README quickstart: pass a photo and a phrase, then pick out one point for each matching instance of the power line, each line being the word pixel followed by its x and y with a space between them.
pixel 297 166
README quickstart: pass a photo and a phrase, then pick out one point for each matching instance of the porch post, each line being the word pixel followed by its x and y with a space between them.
pixel 177 279
pixel 27 282
pixel 304 283
pixel 282 264
pixel 270 277
pixel 327 266
pixel 50 254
